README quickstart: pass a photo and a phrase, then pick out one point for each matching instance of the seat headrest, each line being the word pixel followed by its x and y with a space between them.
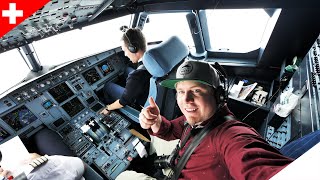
pixel 160 60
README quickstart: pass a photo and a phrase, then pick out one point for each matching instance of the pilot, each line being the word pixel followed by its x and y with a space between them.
pixel 136 90
pixel 229 149
pixel 36 167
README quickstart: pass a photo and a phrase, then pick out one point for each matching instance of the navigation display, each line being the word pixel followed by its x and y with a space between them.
pixel 3 134
pixel 19 118
pixel 91 76
pixel 96 107
pixel 61 92
pixel 73 107
pixel 90 100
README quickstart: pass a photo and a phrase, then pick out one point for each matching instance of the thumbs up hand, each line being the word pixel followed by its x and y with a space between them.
pixel 150 117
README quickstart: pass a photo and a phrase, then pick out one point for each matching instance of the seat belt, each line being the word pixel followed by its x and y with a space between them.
pixel 194 144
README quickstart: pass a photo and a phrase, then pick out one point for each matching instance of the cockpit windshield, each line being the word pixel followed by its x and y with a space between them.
pixel 61 48
pixel 225 30
pixel 81 42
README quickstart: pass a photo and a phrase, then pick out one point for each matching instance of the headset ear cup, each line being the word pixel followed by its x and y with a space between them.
pixel 132 48
pixel 220 95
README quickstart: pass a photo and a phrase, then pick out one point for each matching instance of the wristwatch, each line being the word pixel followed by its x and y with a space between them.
pixel 107 108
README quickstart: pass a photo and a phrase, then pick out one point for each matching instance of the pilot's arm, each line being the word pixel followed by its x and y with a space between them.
pixel 134 89
pixel 112 106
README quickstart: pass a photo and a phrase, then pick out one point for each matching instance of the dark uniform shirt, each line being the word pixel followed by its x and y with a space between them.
pixel 137 87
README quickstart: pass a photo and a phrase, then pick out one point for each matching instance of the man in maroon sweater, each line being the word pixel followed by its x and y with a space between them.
pixel 231 150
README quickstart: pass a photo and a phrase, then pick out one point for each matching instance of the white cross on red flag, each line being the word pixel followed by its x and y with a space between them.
pixel 13 12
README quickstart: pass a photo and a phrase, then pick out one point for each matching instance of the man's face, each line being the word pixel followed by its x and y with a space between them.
pixel 196 101
pixel 132 56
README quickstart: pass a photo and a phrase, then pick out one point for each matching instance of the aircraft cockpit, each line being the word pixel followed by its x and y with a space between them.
pixel 55 65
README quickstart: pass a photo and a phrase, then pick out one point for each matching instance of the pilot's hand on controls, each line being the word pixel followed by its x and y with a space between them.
pixel 105 111
pixel 149 117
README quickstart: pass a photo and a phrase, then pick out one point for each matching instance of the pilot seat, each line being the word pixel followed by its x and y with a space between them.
pixel 160 61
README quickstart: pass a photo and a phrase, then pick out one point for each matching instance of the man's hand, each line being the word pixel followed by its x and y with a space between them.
pixel 30 158
pixel 34 155
pixel 150 117
pixel 4 173
pixel 105 111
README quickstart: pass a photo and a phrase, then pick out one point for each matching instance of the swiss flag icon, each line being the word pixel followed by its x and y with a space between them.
pixel 13 12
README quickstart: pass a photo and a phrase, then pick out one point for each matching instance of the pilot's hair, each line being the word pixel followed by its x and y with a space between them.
pixel 136 38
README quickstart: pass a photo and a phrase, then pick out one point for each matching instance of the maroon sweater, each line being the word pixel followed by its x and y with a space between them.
pixel 232 150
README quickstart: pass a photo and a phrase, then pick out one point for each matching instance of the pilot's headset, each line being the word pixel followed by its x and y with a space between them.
pixel 131 47
pixel 221 92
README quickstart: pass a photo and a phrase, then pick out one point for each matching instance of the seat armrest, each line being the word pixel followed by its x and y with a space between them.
pixel 132 113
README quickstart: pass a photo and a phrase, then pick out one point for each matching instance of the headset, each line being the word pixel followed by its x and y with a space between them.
pixel 221 91
pixel 131 47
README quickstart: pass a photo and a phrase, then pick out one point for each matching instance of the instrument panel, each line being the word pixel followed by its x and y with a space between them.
pixel 65 101
pixel 19 118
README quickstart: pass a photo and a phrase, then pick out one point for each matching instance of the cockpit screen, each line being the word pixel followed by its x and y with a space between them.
pixel 47 104
pixel 73 107
pixel 61 92
pixel 105 68
pixel 96 107
pixel 91 76
pixel 19 118
pixel 3 134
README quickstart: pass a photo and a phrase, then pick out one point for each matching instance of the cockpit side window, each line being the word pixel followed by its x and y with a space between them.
pixel 235 30
pixel 162 26
pixel 13 69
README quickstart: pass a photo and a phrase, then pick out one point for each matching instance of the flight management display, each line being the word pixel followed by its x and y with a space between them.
pixel 19 118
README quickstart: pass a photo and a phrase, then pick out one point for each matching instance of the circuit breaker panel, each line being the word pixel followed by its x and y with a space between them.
pixel 305 117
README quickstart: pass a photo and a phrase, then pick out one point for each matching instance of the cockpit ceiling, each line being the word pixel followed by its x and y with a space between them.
pixel 57 16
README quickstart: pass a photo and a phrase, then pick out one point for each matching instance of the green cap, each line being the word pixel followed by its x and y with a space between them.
pixel 199 71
